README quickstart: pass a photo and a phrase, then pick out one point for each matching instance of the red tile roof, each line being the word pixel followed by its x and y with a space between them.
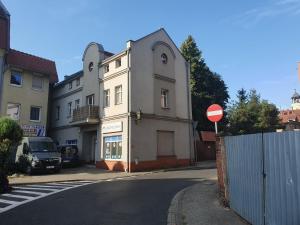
pixel 32 63
pixel 207 136
pixel 289 115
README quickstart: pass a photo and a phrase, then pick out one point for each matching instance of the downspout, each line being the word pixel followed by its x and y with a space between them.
pixel 1 79
pixel 189 107
pixel 128 169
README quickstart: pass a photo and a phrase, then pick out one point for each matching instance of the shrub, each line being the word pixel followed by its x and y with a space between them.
pixel 10 136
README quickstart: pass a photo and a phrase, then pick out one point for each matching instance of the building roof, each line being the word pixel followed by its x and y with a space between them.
pixel 207 136
pixel 295 95
pixel 289 115
pixel 32 63
pixel 70 77
pixel 3 11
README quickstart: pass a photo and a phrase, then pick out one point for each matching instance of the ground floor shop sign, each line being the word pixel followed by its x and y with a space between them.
pixel 34 130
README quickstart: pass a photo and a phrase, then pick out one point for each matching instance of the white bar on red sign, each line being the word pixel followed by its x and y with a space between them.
pixel 215 113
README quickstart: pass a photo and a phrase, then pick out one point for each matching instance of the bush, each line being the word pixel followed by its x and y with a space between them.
pixel 10 136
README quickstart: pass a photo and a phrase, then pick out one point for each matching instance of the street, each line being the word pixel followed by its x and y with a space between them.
pixel 143 199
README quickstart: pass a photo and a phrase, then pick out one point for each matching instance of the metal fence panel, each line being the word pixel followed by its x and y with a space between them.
pixel 244 167
pixel 282 168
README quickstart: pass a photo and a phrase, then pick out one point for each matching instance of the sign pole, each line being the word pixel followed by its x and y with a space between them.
pixel 216 127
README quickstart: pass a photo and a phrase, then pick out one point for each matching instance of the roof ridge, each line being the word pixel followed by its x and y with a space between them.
pixel 25 53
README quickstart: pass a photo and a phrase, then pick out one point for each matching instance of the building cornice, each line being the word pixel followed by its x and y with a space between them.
pixel 164 78
pixel 68 94
pixel 113 75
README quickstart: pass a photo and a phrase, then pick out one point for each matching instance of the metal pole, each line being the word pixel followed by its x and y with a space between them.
pixel 216 127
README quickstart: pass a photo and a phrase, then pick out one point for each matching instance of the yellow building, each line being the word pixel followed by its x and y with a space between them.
pixel 24 83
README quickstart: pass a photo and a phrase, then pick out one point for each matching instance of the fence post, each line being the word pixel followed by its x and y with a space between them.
pixel 222 169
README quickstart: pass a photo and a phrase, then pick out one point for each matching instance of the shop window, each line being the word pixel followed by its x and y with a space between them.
pixel 113 147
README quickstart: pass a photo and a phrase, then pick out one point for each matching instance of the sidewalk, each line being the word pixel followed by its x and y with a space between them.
pixel 71 174
pixel 199 205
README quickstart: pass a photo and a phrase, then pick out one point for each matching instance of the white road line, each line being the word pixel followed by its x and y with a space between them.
pixel 33 188
pixel 9 201
pixel 61 185
pixel 45 186
pixel 40 195
pixel 17 196
pixel 29 192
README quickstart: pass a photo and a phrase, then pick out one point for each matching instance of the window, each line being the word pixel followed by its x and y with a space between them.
pixel 118 95
pixel 164 98
pixel 77 81
pixel 35 113
pixel 118 63
pixel 37 82
pixel 70 85
pixel 13 111
pixel 57 112
pixel 106 98
pixel 77 103
pixel 106 68
pixel 91 66
pixel 16 78
pixel 90 100
pixel 113 147
pixel 69 109
pixel 164 58
pixel 71 142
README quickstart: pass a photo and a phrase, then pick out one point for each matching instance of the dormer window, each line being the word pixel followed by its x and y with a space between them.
pixel 164 58
pixel 118 63
pixel 106 68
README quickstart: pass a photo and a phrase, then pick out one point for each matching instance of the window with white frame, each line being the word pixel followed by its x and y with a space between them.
pixel 118 63
pixel 35 113
pixel 106 98
pixel 16 78
pixel 118 95
pixel 77 103
pixel 113 147
pixel 70 85
pixel 57 112
pixel 90 100
pixel 106 68
pixel 37 82
pixel 69 109
pixel 13 111
pixel 164 99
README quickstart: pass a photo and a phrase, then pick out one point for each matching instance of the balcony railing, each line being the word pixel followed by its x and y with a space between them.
pixel 88 114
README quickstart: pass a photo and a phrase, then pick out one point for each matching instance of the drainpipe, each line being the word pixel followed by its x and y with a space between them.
pixel 1 79
pixel 189 106
pixel 128 169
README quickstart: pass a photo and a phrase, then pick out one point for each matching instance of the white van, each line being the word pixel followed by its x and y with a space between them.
pixel 41 152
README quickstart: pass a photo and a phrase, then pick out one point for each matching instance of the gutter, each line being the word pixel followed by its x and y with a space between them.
pixel 128 169
pixel 189 107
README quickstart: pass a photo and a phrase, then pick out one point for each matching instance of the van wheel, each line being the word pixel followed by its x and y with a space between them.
pixel 28 170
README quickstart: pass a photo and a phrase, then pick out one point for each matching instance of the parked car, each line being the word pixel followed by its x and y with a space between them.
pixel 41 154
pixel 69 154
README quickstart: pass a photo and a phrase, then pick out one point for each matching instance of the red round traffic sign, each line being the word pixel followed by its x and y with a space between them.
pixel 214 113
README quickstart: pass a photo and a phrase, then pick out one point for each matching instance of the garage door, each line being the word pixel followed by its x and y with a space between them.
pixel 165 143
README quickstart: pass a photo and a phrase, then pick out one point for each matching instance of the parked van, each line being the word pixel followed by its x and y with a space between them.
pixel 41 153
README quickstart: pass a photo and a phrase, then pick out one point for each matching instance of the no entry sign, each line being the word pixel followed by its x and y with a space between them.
pixel 214 113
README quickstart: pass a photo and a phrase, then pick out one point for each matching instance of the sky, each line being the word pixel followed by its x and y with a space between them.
pixel 251 44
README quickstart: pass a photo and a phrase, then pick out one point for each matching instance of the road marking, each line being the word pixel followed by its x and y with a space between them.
pixel 38 190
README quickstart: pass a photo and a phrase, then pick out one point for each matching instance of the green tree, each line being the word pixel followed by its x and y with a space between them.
pixel 10 136
pixel 250 114
pixel 207 87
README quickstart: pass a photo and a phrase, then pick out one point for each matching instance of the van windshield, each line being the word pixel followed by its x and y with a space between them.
pixel 42 146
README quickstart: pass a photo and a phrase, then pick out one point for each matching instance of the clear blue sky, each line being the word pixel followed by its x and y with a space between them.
pixel 252 44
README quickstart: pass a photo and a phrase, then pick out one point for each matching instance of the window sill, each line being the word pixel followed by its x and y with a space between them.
pixel 35 121
pixel 37 89
pixel 15 85
pixel 165 108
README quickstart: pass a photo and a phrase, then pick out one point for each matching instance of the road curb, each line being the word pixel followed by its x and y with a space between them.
pixel 174 215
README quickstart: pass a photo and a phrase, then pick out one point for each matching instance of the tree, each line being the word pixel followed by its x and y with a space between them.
pixel 250 114
pixel 10 136
pixel 207 87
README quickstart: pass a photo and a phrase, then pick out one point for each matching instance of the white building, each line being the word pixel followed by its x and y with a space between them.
pixel 140 115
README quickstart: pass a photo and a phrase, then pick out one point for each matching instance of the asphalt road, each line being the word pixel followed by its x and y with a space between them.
pixel 142 200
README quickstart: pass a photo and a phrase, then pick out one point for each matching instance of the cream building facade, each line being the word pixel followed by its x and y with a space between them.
pixel 141 114
pixel 24 83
